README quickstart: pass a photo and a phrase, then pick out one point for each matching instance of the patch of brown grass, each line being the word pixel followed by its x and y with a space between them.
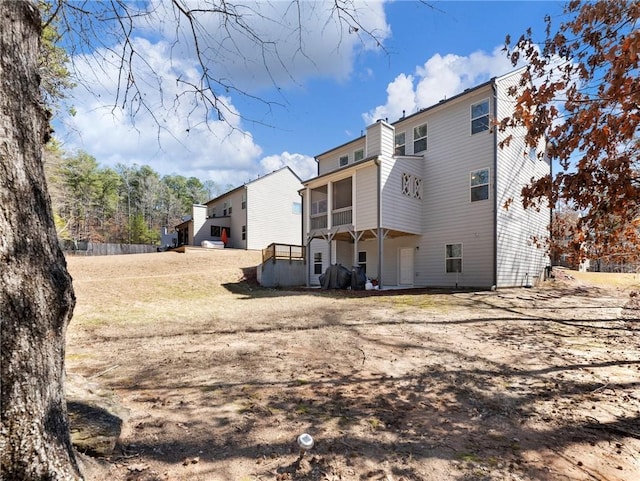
pixel 608 279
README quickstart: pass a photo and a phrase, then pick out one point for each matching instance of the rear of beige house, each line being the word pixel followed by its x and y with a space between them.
pixel 420 202
pixel 264 211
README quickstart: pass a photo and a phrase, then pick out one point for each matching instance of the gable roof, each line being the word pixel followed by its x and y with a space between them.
pixel 244 186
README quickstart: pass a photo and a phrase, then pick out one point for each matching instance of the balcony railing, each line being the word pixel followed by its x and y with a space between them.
pixel 319 222
pixel 341 216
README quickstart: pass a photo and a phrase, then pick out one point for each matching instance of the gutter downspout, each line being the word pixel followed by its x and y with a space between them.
pixel 495 187
pixel 379 226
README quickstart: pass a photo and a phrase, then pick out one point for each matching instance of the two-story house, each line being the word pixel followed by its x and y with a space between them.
pixel 264 211
pixel 421 201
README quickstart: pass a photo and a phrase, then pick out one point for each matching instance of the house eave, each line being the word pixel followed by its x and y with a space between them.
pixel 338 172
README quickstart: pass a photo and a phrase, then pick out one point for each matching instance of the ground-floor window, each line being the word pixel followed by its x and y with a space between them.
pixel 317 263
pixel 453 257
pixel 216 231
pixel 362 260
pixel 244 232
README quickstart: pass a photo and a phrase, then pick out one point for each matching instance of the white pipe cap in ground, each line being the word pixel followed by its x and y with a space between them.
pixel 305 441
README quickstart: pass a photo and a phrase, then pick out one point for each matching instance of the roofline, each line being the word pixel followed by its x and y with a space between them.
pixel 244 186
pixel 421 111
pixel 341 169
pixel 340 146
pixel 470 90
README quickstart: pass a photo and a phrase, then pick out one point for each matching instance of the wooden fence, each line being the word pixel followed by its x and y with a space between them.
pixel 83 248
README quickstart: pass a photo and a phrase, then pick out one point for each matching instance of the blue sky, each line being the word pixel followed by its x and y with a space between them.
pixel 324 98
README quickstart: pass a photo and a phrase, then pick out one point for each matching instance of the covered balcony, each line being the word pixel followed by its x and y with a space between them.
pixel 337 195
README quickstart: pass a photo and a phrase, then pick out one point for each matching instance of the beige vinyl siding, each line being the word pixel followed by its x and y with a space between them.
pixel 449 216
pixel 371 248
pixel 390 273
pixel 519 260
pixel 366 205
pixel 374 139
pixel 399 211
pixel 344 254
pixel 198 231
pixel 330 161
pixel 269 212
pixel 321 246
pixel 237 219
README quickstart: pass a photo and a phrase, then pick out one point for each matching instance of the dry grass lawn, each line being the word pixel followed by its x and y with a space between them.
pixel 220 376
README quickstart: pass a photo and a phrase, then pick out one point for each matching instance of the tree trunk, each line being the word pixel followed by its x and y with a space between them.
pixel 36 296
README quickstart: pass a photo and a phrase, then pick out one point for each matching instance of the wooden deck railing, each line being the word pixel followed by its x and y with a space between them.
pixel 282 251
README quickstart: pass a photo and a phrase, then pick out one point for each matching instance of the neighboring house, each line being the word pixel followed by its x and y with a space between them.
pixel 420 202
pixel 168 239
pixel 254 215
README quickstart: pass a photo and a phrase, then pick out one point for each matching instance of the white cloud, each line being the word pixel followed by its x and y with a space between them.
pixel 304 166
pixel 440 77
pixel 172 130
pixel 278 43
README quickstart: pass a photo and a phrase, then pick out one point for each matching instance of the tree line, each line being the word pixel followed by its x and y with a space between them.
pixel 123 204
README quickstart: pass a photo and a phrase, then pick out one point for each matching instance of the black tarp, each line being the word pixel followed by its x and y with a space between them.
pixel 336 277
pixel 358 278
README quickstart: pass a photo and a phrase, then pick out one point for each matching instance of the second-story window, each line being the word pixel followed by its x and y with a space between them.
pixel 479 185
pixel 400 143
pixel 344 160
pixel 358 155
pixel 420 138
pixel 480 117
pixel 244 201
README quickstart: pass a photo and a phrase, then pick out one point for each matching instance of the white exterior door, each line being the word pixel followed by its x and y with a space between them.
pixel 406 266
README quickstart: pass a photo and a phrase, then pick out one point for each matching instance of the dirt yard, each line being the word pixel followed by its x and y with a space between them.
pixel 220 376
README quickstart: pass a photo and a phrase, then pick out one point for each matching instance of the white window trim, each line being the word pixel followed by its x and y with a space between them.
pixel 354 155
pixel 343 157
pixel 488 184
pixel 472 118
pixel 420 138
pixel 317 260
pixel 453 258
pixel 396 145
pixel 363 264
